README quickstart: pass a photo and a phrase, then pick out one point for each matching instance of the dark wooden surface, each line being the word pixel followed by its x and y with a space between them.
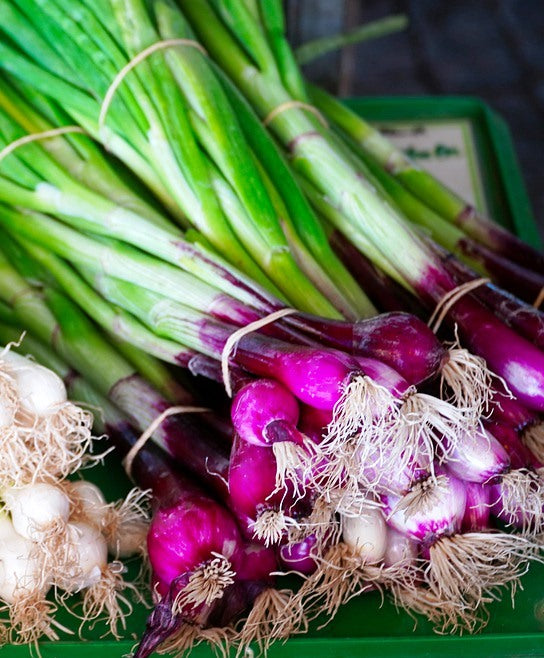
pixel 493 49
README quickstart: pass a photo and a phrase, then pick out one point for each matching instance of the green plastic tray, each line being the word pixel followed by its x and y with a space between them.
pixel 369 626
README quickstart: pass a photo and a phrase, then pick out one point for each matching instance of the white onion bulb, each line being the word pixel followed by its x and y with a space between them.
pixel 90 500
pixel 35 508
pixel 90 553
pixel 400 549
pixel 20 567
pixel 40 390
pixel 366 534
pixel 129 539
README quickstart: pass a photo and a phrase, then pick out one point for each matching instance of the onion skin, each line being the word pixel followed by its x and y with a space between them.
pixel 298 556
pixel 41 391
pixel 399 339
pixel 398 481
pixel 520 455
pixel 187 526
pixel 366 535
pixel 400 549
pixel 403 342
pixel 257 564
pixel 315 376
pixel 252 478
pixel 477 508
pixel 184 536
pixel 509 411
pixel 510 356
pixel 427 525
pixel 258 404
pixel 314 422
pixel 34 507
pixel 477 457
pixel 252 483
pixel 384 375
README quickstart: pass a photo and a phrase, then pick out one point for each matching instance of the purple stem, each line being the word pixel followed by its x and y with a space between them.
pixel 385 293
pixel 516 313
pixel 509 411
pixel 514 277
pixel 499 239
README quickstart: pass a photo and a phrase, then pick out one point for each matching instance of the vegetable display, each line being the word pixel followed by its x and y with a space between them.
pixel 199 243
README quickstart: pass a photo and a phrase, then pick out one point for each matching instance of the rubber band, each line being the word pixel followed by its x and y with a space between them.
pixel 289 105
pixel 145 436
pixel 451 298
pixel 237 335
pixel 539 298
pixel 35 137
pixel 118 79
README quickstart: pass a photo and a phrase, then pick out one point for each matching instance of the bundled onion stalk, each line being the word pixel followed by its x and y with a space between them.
pixel 55 533
pixel 328 407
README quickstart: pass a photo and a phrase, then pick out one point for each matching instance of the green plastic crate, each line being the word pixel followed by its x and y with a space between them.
pixel 369 626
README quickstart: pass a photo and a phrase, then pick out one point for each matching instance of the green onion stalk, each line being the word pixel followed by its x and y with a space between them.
pixel 159 123
pixel 34 179
pixel 424 185
pixel 317 154
pixel 523 282
pixel 39 181
pixel 107 257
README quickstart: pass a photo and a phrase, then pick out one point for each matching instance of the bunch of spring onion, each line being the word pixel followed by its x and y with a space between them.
pixel 354 416
pixel 272 419
pixel 230 298
pixel 55 534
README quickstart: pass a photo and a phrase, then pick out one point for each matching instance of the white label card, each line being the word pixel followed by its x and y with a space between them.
pixel 446 149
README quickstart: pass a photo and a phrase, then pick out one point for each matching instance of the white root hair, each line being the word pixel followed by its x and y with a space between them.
pixel 466 382
pixel 429 428
pixel 291 463
pixel 206 584
pixel 322 523
pixel 31 617
pixel 467 571
pixel 107 599
pixel 342 575
pixel 129 515
pixel 423 496
pixel 273 616
pixel 364 416
pixel 46 448
pixel 271 525
pixel 522 499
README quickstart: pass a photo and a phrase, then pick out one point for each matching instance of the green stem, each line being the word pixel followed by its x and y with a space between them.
pixel 111 319
pixel 417 180
pixel 374 30
pixel 355 303
pixel 112 258
pixel 164 317
pixel 272 17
